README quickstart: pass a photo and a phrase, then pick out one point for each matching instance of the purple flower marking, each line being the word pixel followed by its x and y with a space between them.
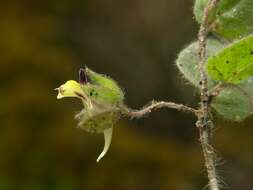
pixel 82 77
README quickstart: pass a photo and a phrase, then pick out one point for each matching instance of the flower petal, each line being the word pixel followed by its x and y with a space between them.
pixel 70 89
pixel 108 140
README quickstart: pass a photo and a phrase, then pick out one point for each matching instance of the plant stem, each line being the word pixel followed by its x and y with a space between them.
pixel 156 105
pixel 204 122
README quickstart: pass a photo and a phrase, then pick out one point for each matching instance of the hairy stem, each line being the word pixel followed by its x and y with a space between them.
pixel 204 122
pixel 157 105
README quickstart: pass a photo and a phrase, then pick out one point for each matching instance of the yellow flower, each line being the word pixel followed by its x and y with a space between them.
pixel 101 97
pixel 70 89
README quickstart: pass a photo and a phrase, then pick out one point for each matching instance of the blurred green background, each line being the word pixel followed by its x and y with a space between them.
pixel 44 43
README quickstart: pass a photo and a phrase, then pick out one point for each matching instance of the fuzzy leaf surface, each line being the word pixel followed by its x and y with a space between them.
pixel 187 61
pixel 231 19
pixel 234 63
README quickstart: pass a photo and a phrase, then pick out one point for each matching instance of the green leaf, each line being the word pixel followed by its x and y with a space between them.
pixel 247 86
pixel 231 19
pixel 232 105
pixel 234 63
pixel 187 61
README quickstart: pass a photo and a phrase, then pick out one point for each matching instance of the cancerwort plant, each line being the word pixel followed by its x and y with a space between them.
pixel 219 64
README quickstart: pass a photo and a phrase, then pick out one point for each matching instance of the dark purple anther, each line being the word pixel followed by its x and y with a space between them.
pixel 82 77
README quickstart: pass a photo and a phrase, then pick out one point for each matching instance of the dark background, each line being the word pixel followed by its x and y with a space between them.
pixel 136 42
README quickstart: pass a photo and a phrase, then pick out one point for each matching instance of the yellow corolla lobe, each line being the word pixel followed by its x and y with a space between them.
pixel 70 89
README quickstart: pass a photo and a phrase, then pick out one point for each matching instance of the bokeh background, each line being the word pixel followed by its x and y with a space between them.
pixel 136 42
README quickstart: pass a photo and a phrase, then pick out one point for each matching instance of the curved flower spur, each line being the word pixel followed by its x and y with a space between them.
pixel 101 97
